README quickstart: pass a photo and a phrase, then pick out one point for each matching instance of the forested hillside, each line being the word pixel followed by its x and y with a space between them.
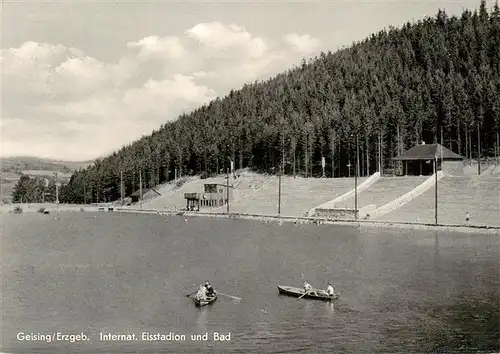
pixel 440 76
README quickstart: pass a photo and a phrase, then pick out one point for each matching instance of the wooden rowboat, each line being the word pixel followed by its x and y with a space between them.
pixel 208 301
pixel 298 292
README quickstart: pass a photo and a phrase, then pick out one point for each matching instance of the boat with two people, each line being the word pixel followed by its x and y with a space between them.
pixel 205 295
pixel 309 292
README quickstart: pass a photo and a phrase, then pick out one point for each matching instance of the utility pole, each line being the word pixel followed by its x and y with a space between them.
pixel 498 147
pixel 121 186
pixel 227 189
pixel 380 153
pixel 45 185
pixel 283 152
pixel 356 182
pixel 57 189
pixel 279 191
pixel 478 151
pixel 357 154
pixel 140 188
pixel 441 148
pixel 57 193
pixel 435 191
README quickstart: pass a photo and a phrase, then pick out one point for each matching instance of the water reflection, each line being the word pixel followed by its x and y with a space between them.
pixel 201 319
pixel 436 244
pixel 308 309
pixel 330 307
pixel 263 329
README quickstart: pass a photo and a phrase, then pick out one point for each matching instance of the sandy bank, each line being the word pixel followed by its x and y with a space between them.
pixel 320 221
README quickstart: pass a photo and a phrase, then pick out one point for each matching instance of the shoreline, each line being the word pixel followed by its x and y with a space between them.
pixel 484 229
pixel 65 208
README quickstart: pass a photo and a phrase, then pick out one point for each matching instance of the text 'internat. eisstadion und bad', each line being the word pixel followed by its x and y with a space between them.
pixel 54 337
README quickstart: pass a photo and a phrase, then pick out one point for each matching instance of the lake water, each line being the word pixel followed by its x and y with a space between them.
pixel 402 290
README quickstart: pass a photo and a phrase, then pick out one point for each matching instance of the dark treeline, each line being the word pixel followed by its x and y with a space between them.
pixel 438 77
pixel 34 189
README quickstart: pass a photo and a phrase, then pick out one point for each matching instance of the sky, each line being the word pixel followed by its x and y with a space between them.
pixel 81 79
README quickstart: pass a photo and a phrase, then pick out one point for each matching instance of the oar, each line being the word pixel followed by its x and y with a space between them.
pixel 308 292
pixel 232 297
pixel 188 295
pixel 318 291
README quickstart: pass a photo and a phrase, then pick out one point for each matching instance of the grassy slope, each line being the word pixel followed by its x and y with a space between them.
pixel 257 194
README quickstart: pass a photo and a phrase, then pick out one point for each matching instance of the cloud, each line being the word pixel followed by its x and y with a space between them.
pixel 82 75
pixel 149 105
pixel 251 69
pixel 302 43
pixel 216 35
pixel 73 139
pixel 179 87
pixel 41 71
pixel 101 124
pixel 61 102
pixel 32 53
pixel 199 74
pixel 159 47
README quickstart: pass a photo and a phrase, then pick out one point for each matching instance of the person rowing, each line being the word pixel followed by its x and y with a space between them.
pixel 202 293
pixel 330 291
pixel 308 289
pixel 209 289
pixel 307 286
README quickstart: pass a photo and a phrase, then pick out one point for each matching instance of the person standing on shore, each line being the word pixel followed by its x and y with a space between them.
pixel 467 219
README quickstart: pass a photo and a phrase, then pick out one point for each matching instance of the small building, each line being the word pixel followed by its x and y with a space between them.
pixel 214 195
pixel 420 160
pixel 147 194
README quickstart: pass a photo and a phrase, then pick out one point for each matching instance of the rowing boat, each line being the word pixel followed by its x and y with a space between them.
pixel 314 294
pixel 209 300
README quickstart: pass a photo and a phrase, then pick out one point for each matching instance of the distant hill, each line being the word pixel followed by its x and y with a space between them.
pixel 436 80
pixel 13 167
pixel 37 163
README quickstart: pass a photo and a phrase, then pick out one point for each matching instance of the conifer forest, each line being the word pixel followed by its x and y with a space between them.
pixel 436 80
